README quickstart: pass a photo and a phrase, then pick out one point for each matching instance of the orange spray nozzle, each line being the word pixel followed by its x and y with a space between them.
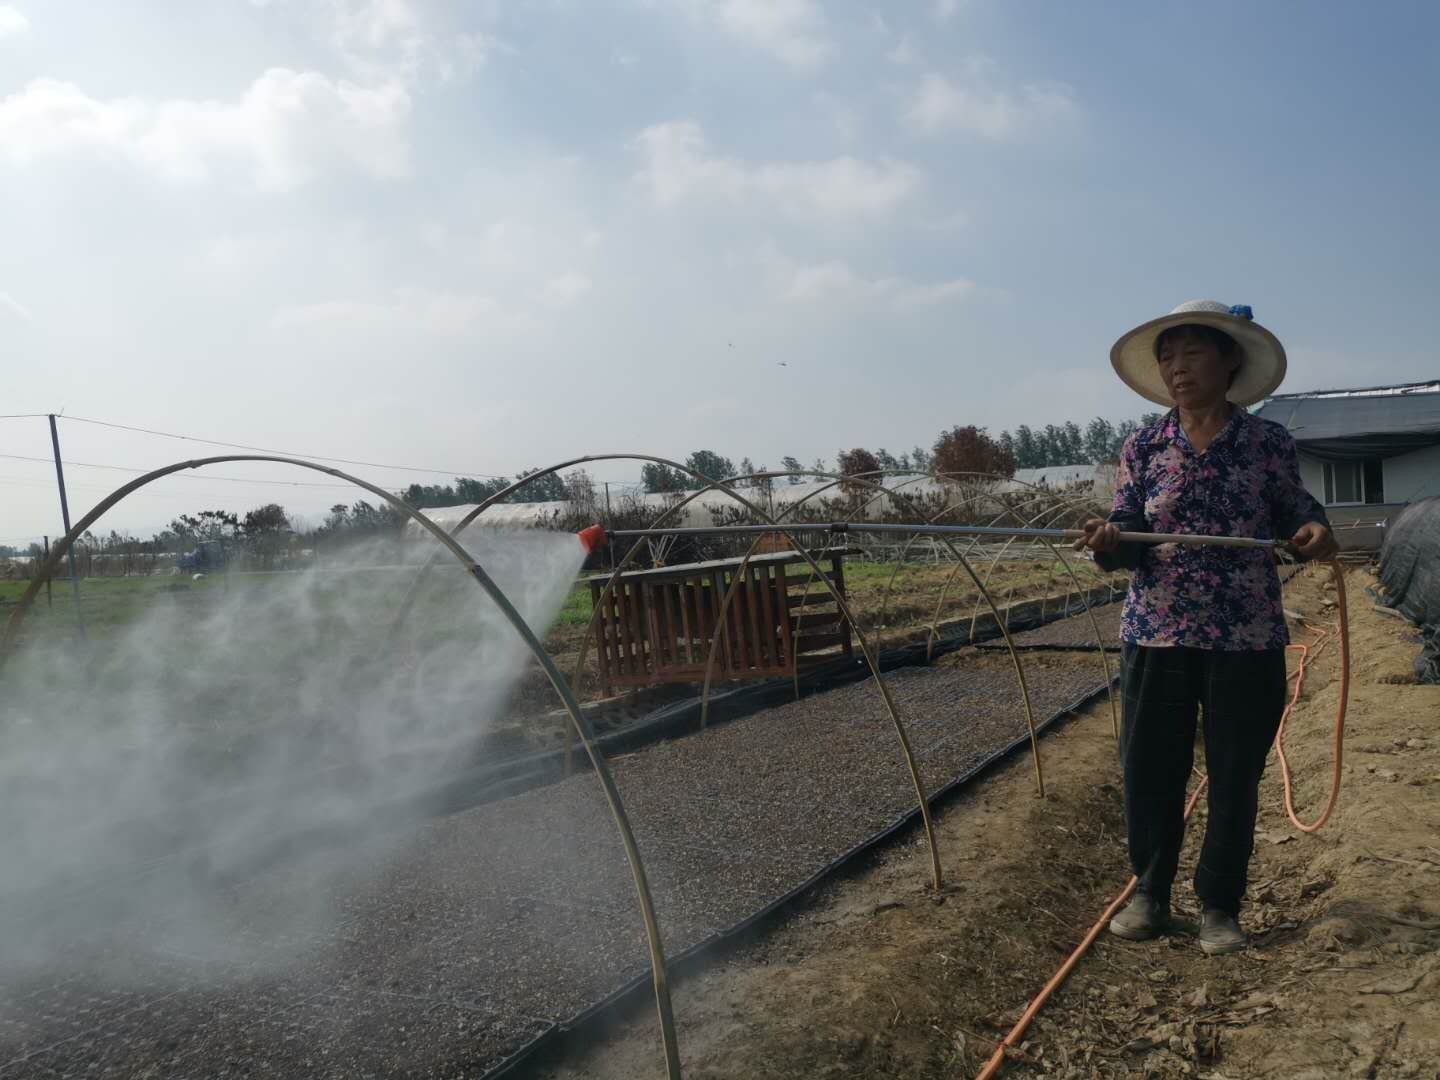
pixel 593 537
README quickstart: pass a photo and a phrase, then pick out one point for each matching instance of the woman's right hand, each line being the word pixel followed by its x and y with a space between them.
pixel 1100 536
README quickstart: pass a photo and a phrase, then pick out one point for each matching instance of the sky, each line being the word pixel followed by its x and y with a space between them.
pixel 478 236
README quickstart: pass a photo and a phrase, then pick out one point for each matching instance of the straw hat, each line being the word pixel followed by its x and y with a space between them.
pixel 1262 357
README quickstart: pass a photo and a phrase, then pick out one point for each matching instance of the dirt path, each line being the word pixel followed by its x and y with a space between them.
pixel 877 978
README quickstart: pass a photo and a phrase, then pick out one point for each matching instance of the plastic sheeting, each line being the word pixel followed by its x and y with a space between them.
pixel 1075 480
pixel 1410 572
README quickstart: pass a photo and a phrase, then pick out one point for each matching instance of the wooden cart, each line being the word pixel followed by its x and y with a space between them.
pixel 657 625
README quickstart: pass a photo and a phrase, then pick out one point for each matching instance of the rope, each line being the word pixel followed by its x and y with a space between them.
pixel 1340 630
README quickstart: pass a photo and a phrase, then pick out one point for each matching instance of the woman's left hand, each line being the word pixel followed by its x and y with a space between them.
pixel 1314 541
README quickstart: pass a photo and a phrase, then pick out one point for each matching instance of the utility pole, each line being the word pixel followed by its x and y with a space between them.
pixel 65 517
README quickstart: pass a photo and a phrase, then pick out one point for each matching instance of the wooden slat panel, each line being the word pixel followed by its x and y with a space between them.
pixel 661 629
pixel 665 597
pixel 654 598
pixel 758 657
pixel 690 615
pixel 707 627
pixel 602 627
pixel 837 571
pixel 817 596
pixel 809 643
pixel 639 628
pixel 725 659
pixel 602 631
pixel 632 627
pixel 782 617
pixel 669 591
pixel 677 611
pixel 770 643
pixel 653 593
pixel 624 665
pixel 736 617
pixel 819 618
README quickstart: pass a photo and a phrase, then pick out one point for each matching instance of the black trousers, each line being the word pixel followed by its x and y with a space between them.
pixel 1242 697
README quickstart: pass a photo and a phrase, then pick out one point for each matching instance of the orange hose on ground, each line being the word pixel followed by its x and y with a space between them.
pixel 997 1059
pixel 1344 631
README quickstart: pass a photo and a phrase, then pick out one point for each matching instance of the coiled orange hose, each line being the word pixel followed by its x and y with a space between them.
pixel 1342 628
pixel 1342 631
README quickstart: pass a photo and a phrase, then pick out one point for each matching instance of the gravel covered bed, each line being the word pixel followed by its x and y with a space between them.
pixel 1075 633
pixel 465 937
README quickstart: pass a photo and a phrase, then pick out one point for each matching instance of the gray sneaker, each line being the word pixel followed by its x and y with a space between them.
pixel 1143 918
pixel 1220 933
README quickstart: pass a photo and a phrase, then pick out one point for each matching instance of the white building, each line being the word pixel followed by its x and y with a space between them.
pixel 1365 453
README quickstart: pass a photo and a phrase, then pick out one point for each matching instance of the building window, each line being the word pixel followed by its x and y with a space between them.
pixel 1354 483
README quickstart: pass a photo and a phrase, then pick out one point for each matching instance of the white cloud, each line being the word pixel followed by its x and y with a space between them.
pixel 237 253
pixel 12 21
pixel 14 306
pixel 397 40
pixel 679 167
pixel 946 9
pixel 284 130
pixel 941 104
pixel 843 117
pixel 566 289
pixel 380 37
pixel 375 24
pixel 904 52
pixel 792 30
pixel 406 311
pixel 468 53
pixel 836 282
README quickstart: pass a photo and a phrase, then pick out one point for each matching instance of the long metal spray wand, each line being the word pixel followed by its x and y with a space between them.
pixel 841 528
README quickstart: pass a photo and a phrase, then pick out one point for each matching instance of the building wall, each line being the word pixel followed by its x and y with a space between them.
pixel 1357 528
pixel 1312 475
pixel 1407 478
pixel 1412 476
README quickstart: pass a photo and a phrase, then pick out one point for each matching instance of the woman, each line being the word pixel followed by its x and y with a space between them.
pixel 1203 629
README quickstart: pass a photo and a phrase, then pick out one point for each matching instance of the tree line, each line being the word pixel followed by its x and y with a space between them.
pixel 956 450
pixel 961 449
pixel 468 490
pixel 1068 444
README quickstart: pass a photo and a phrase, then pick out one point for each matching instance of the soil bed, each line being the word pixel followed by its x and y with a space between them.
pixel 875 979
pixel 486 927
pixel 1073 633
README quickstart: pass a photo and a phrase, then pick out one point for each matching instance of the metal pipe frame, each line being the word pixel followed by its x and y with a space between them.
pixel 726 486
pixel 842 527
pixel 578 726
pixel 557 681
pixel 1004 630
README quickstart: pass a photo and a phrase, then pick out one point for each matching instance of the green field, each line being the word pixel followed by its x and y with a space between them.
pixel 109 606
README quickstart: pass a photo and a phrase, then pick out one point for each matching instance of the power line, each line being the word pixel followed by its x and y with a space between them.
pixel 182 476
pixel 25 416
pixel 285 453
pixel 236 498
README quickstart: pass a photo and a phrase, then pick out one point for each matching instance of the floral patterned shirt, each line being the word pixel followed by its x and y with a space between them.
pixel 1245 483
